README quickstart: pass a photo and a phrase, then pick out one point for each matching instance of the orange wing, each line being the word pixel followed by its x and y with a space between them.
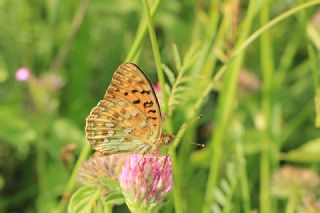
pixel 128 119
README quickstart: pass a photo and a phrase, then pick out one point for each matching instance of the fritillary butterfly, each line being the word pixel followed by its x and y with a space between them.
pixel 128 119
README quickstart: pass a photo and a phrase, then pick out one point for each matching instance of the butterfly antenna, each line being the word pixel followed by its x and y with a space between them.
pixel 141 161
pixel 157 155
pixel 195 118
pixel 185 125
pixel 200 145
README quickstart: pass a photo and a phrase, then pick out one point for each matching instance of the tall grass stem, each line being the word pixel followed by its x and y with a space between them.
pixel 225 106
pixel 157 59
pixel 267 107
pixel 140 35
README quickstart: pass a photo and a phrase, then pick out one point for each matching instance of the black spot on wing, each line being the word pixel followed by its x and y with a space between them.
pixel 145 92
pixel 152 111
pixel 136 101
pixel 134 91
pixel 148 104
pixel 153 118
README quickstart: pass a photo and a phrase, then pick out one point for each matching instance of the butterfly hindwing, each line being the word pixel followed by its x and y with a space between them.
pixel 128 119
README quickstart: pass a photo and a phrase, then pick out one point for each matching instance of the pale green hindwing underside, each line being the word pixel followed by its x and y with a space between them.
pixel 128 119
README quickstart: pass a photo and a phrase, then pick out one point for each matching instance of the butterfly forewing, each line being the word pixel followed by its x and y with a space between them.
pixel 128 119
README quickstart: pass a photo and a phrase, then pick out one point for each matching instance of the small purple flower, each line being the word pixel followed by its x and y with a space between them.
pixel 157 90
pixel 146 180
pixel 156 87
pixel 23 74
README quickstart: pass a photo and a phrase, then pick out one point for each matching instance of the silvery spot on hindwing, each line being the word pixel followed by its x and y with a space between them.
pixel 128 119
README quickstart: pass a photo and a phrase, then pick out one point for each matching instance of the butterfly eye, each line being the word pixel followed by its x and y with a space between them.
pixel 167 139
pixel 170 138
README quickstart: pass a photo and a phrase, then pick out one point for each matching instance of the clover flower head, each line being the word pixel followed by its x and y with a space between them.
pixel 289 179
pixel 146 180
pixel 23 74
pixel 98 168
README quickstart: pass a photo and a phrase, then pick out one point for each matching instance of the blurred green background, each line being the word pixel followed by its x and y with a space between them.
pixel 258 116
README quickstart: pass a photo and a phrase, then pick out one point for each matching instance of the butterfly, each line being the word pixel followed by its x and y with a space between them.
pixel 128 119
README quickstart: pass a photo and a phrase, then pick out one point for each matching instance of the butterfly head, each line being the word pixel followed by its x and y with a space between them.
pixel 166 138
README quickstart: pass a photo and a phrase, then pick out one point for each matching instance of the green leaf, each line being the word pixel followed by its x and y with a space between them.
pixel 219 196
pixel 3 71
pixel 2 182
pixel 167 88
pixel 314 35
pixel 216 209
pixel 187 79
pixel 169 73
pixel 230 171
pixel 317 107
pixel 66 131
pixel 191 54
pixel 115 199
pixel 182 89
pixel 17 130
pixel 309 152
pixel 84 200
pixel 112 184
pixel 176 56
pixel 225 186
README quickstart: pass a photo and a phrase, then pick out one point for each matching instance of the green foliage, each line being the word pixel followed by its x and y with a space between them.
pixel 179 91
pixel 308 152
pixel 114 198
pixel 91 199
pixel 84 200
pixel 111 184
pixel 224 193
